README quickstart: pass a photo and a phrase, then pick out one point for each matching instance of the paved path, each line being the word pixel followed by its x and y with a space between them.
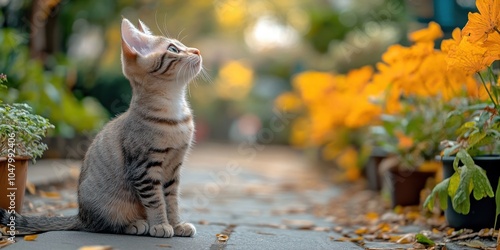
pixel 262 198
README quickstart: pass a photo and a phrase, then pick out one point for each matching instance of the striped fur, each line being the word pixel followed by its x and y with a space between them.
pixel 129 182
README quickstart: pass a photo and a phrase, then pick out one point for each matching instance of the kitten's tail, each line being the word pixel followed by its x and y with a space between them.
pixel 38 224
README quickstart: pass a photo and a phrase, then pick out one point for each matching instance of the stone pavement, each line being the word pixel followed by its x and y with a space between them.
pixel 262 198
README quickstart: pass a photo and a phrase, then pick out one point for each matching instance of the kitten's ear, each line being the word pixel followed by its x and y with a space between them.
pixel 134 42
pixel 145 29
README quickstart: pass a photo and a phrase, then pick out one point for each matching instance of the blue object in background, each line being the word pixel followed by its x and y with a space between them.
pixel 452 13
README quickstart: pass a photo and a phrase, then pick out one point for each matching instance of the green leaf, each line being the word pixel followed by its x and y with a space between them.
pixel 475 138
pixel 465 158
pixel 482 186
pixel 453 184
pixel 470 124
pixel 497 202
pixel 441 190
pixel 422 239
pixel 461 200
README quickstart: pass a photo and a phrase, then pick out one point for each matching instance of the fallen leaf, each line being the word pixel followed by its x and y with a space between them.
pixel 347 239
pixel 361 230
pixel 321 229
pixel 417 245
pixel 52 195
pixel 338 229
pixel 222 237
pixel 299 224
pixel 413 215
pixel 384 227
pixel 203 222
pixel 164 245
pixel 474 244
pixel 424 240
pixel 31 237
pixel 372 216
pixel 402 239
pixel 463 236
pixel 96 248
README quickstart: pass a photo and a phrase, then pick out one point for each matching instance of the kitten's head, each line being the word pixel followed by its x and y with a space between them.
pixel 145 55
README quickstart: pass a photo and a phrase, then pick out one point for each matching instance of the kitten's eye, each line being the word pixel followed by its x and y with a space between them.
pixel 173 49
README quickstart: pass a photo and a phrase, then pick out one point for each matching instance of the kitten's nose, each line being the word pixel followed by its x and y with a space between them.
pixel 195 51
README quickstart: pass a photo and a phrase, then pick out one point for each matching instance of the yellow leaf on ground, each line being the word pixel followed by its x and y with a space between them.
pixel 96 248
pixel 402 239
pixel 361 230
pixel 371 216
pixel 347 239
pixel 53 195
pixel 164 245
pixel 413 215
pixel 30 237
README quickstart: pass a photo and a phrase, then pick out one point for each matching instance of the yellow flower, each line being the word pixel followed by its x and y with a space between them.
pixel 312 86
pixel 429 34
pixel 404 141
pixel 362 113
pixel 235 80
pixel 469 58
pixel 452 43
pixel 481 24
pixel 288 101
pixel 492 44
pixel 300 132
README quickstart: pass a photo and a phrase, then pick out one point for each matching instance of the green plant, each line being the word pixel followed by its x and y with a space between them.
pixel 21 131
pixel 479 135
pixel 473 50
pixel 414 134
pixel 46 89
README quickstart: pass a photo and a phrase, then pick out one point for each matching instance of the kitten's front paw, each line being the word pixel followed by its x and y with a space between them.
pixel 140 227
pixel 161 230
pixel 184 230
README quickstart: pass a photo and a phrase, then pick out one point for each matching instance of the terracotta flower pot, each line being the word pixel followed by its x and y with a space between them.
pixel 482 212
pixel 405 185
pixel 13 182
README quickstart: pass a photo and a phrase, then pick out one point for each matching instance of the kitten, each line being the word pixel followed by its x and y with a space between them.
pixel 129 183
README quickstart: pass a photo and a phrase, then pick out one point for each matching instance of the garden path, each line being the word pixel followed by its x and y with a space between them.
pixel 263 197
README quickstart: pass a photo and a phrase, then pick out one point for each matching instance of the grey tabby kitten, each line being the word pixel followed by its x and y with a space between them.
pixel 129 183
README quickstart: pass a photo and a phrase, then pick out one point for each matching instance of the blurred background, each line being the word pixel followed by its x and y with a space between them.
pixel 63 57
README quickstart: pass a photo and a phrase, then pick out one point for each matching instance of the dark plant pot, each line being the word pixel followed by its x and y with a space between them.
pixel 372 168
pixel 482 212
pixel 13 182
pixel 405 186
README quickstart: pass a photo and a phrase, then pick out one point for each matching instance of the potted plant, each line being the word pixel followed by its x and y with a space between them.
pixel 471 161
pixel 410 139
pixel 21 133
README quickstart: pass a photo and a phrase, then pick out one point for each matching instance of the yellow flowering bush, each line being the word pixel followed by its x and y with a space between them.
pixel 406 98
pixel 335 108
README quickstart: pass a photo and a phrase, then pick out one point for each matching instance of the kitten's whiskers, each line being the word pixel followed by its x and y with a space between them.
pixel 158 26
